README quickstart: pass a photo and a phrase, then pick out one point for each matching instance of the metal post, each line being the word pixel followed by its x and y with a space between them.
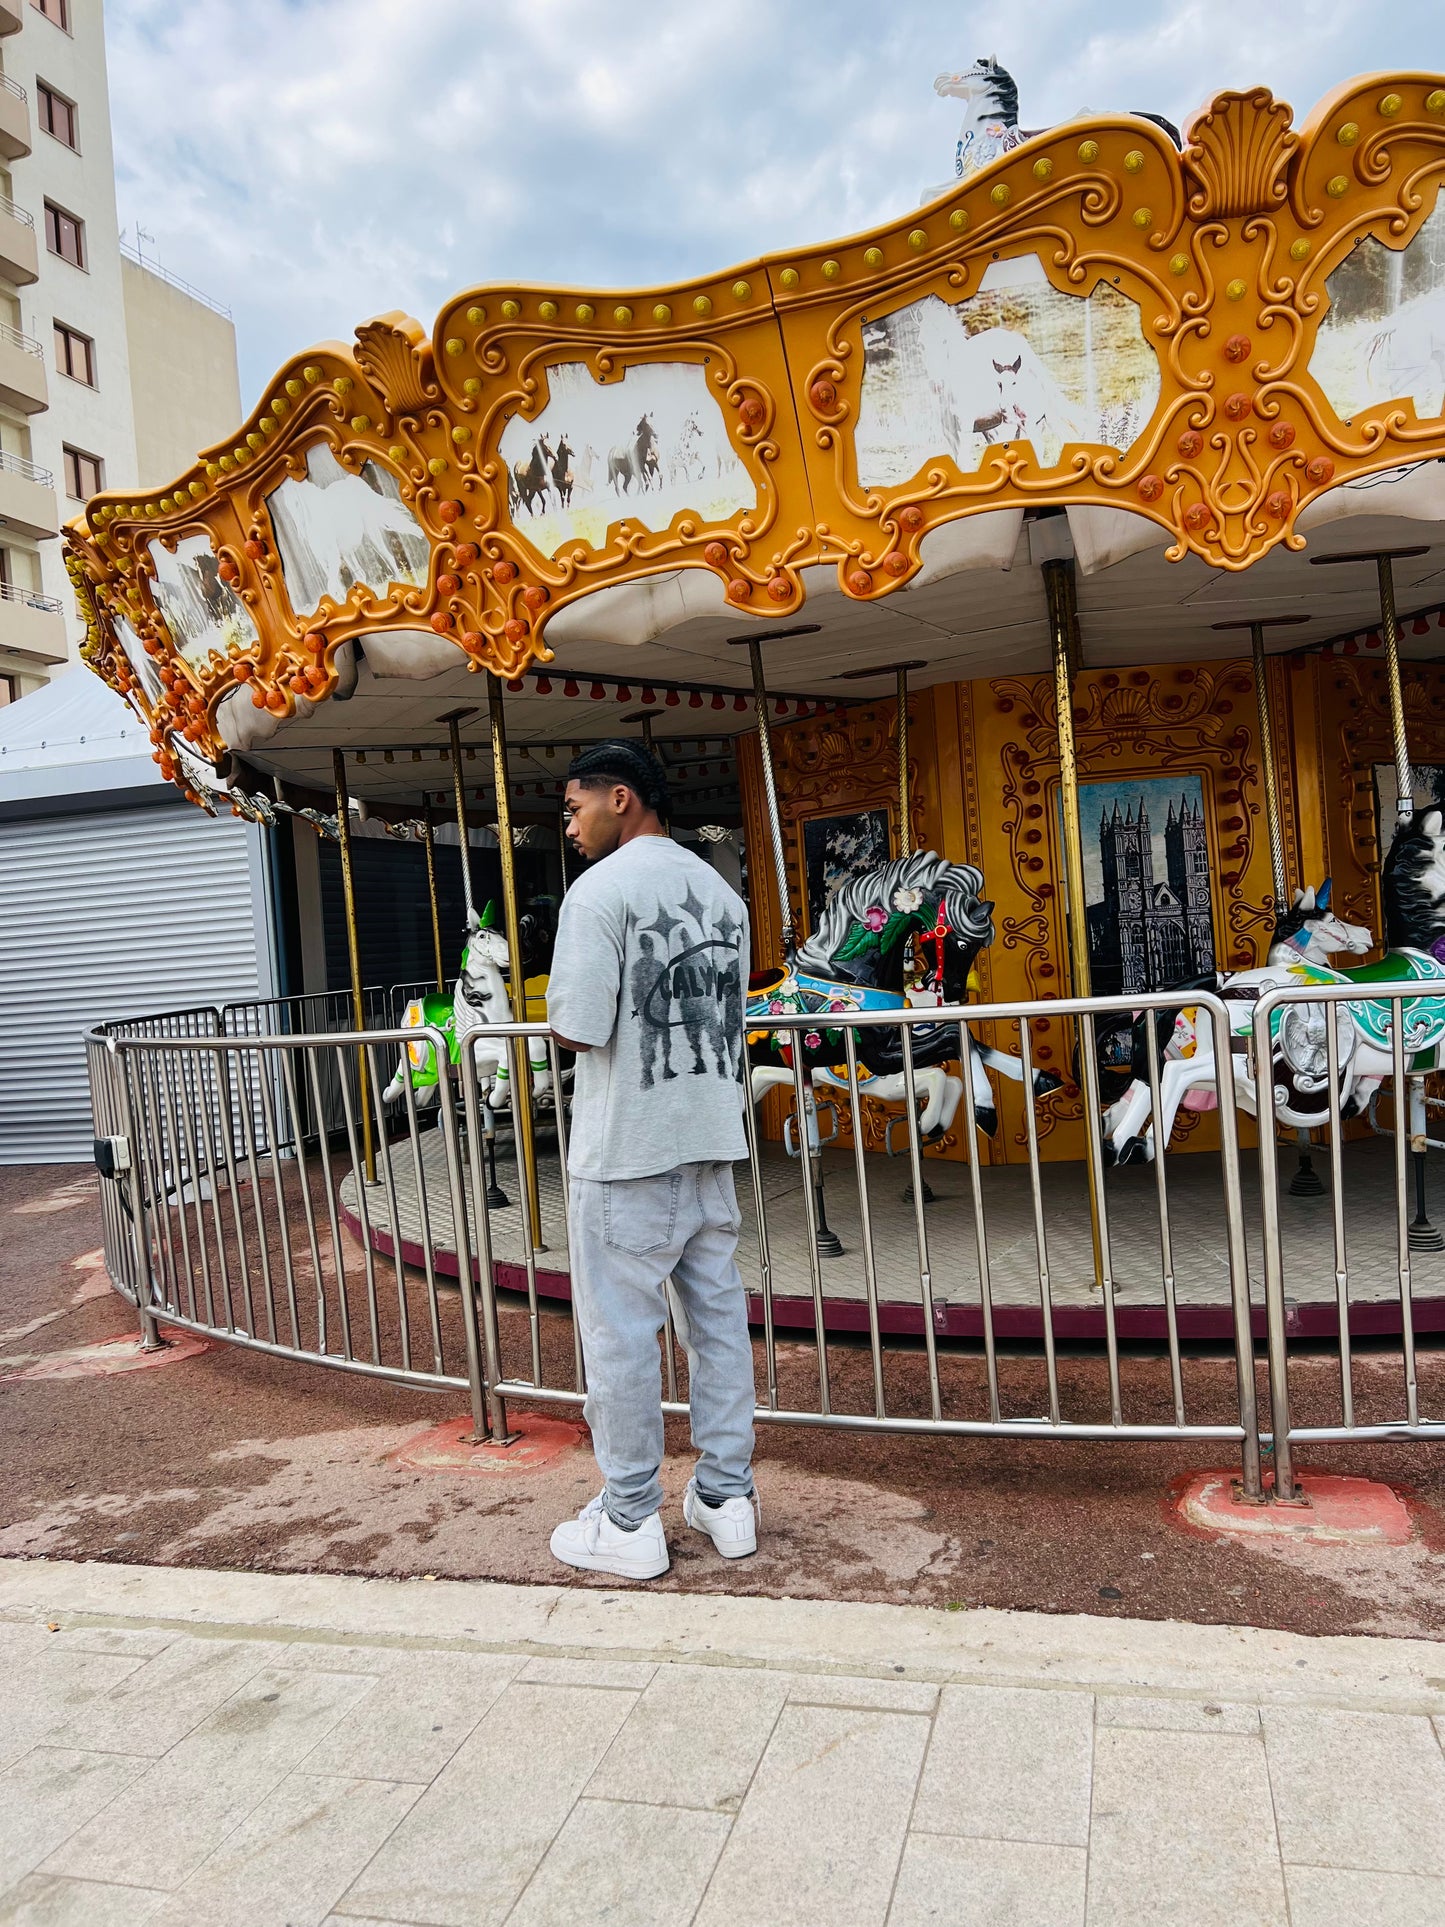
pixel 1306 1182
pixel 905 830
pixel 358 1002
pixel 770 790
pixel 429 839
pixel 459 793
pixel 522 1092
pixel 1266 757
pixel 1423 1236
pixel 1059 589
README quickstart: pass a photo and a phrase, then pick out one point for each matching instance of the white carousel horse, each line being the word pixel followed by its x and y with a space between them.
pixel 1304 940
pixel 479 1002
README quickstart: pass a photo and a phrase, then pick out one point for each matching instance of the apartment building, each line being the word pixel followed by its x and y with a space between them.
pixel 112 373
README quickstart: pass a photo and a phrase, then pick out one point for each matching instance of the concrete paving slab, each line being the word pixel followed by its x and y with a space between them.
pixel 210 1781
pixel 1357 1790
pixel 627 1865
pixel 475 1838
pixel 1182 1830
pixel 415 1717
pixel 693 1739
pixel 1337 1897
pixel 1009 1763
pixel 293 1857
pixel 948 1881
pixel 50 1900
pixel 830 1778
pixel 46 1795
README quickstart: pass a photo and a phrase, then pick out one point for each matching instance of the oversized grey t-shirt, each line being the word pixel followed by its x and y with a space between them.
pixel 650 968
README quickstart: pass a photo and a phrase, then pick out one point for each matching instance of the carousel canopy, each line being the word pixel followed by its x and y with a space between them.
pixel 1191 371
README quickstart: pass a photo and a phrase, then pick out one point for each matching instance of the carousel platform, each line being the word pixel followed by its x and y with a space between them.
pixel 1197 1229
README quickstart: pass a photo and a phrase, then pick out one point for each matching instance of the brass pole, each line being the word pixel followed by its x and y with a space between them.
pixel 1390 629
pixel 1390 632
pixel 429 839
pixel 1059 589
pixel 905 830
pixel 1058 586
pixel 1266 756
pixel 647 735
pixel 770 791
pixel 353 952
pixel 459 793
pixel 522 1093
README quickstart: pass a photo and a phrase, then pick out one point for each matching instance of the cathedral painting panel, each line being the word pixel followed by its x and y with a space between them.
pixel 1148 883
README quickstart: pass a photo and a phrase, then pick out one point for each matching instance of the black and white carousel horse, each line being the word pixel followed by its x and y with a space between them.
pixel 856 960
pixel 991 125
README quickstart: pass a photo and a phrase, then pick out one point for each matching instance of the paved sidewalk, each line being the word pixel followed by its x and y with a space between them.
pixel 185 1746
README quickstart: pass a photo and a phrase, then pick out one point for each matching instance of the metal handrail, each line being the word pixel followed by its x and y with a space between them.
pixel 13 87
pixel 32 598
pixel 16 212
pixel 293 1181
pixel 1406 1075
pixel 17 339
pixel 21 465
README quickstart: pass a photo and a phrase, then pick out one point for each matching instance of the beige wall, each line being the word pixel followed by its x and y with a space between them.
pixel 185 390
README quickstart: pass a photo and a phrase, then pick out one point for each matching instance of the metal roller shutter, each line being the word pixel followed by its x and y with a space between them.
pixel 105 916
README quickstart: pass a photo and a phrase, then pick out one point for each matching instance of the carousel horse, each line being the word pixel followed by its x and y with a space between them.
pixel 855 961
pixel 479 1001
pixel 1413 887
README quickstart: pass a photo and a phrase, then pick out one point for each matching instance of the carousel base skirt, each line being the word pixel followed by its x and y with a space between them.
pixel 392 1220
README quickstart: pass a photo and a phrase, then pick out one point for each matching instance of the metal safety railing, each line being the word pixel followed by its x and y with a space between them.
pixel 1341 1046
pixel 270 1193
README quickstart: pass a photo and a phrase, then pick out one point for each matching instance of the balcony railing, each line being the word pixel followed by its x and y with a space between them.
pixel 29 471
pixel 48 604
pixel 10 86
pixel 15 211
pixel 18 340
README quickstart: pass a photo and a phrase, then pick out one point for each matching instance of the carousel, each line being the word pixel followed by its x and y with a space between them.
pixel 968 577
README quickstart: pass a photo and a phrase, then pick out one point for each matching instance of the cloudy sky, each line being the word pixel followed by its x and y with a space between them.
pixel 315 162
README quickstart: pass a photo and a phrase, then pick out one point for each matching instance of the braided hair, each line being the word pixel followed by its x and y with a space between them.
pixel 621 761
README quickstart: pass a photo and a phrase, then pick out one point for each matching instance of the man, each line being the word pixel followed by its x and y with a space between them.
pixel 651 941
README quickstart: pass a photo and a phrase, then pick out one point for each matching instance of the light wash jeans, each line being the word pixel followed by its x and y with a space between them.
pixel 628 1235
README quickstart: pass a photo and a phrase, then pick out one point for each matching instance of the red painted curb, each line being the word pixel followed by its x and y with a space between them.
pixel 452 1447
pixel 1339 1511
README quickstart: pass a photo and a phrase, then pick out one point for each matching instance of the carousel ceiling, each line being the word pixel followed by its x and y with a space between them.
pixel 1179 367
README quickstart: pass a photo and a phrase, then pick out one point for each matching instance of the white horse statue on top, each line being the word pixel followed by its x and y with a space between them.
pixel 991 125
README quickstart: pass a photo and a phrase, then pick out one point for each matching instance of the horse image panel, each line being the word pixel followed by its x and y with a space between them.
pixel 337 528
pixel 200 610
pixel 644 448
pixel 1018 361
pixel 1384 336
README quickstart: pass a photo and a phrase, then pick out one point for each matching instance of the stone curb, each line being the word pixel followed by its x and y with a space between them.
pixel 982 1646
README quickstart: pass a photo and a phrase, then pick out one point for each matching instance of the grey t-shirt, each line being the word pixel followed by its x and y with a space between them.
pixel 650 968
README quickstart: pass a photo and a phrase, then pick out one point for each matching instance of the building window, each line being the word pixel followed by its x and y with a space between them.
pixel 57 115
pixel 9 690
pixel 84 475
pixel 74 355
pixel 56 10
pixel 64 235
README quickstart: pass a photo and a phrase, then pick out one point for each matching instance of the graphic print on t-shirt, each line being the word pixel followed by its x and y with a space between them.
pixel 687 978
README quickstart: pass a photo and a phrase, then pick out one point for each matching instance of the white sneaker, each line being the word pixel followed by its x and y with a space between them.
pixel 732 1526
pixel 593 1542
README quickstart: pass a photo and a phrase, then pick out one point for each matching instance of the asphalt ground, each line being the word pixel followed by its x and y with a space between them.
pixel 236 1459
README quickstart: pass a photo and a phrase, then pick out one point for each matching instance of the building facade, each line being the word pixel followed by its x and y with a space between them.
pixel 85 331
